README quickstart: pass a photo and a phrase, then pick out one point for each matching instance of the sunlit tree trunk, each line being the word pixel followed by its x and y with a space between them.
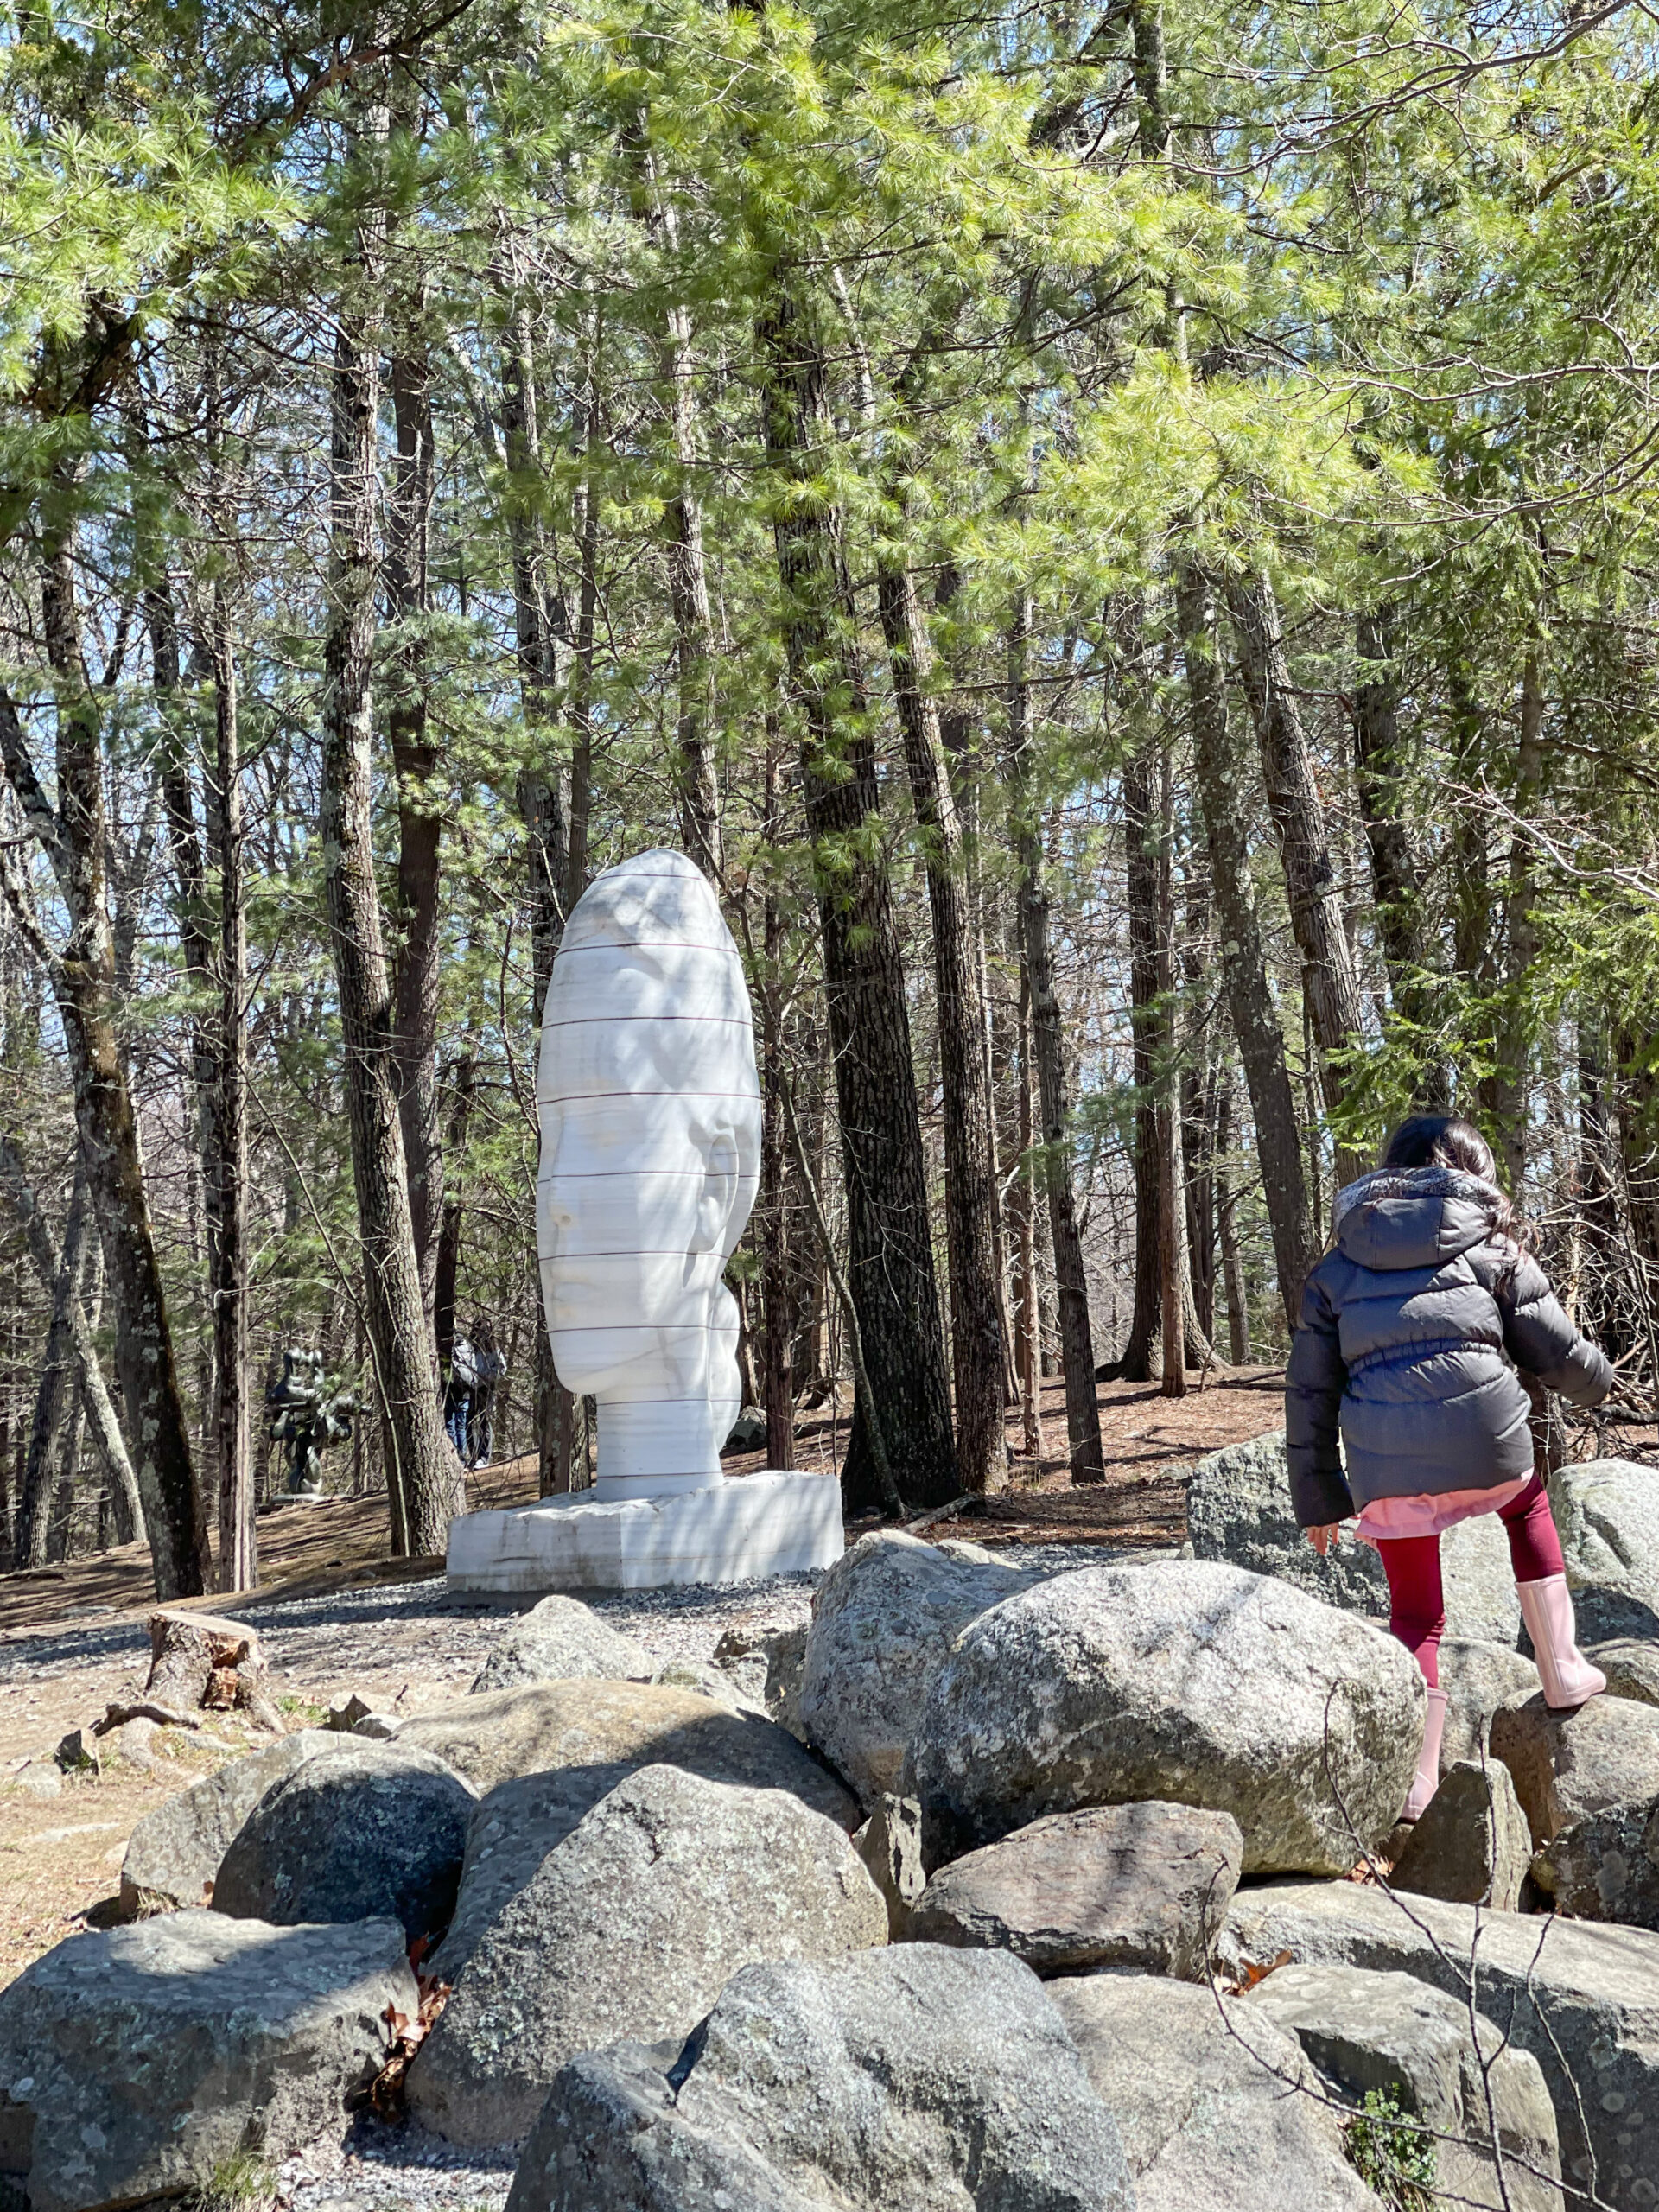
pixel 1329 986
pixel 891 1255
pixel 1048 1052
pixel 423 1481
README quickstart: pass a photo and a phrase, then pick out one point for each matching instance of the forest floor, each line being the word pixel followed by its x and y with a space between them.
pixel 336 1616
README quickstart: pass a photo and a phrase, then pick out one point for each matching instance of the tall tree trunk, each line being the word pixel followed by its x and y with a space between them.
pixel 1174 1285
pixel 1379 765
pixel 55 1393
pixel 1022 1210
pixel 100 1407
pixel 696 778
pixel 1048 1051
pixel 192 907
pixel 461 1095
pixel 1507 1099
pixel 777 1304
pixel 239 1556
pixel 84 981
pixel 424 1484
pixel 1147 1022
pixel 420 814
pixel 890 1248
pixel 969 1150
pixel 1223 801
pixel 1232 1266
pixel 541 798
pixel 1330 987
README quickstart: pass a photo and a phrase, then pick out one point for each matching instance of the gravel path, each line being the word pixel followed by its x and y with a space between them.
pixel 423 1624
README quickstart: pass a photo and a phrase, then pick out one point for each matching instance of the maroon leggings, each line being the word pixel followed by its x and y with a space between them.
pixel 1413 1567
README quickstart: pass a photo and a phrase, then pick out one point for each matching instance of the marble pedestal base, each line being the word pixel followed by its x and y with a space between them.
pixel 734 1531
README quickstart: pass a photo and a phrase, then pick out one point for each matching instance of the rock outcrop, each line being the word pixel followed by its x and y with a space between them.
pixel 175 1853
pixel 1566 1765
pixel 1606 1867
pixel 932 2080
pixel 135 2061
pixel 1472 1846
pixel 375 1831
pixel 1607 1512
pixel 547 1727
pixel 1583 2000
pixel 883 1619
pixel 1191 1683
pixel 630 1928
pixel 1112 1886
pixel 1395 2034
pixel 558 1640
pixel 1209 2117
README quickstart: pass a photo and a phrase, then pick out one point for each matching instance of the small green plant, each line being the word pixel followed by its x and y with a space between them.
pixel 1391 2154
pixel 243 2183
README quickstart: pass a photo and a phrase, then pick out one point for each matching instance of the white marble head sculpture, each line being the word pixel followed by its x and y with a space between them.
pixel 651 1146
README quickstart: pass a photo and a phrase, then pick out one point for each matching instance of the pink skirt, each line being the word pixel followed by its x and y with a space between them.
pixel 1387 1519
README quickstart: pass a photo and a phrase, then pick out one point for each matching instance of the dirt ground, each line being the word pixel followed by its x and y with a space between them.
pixel 59 1855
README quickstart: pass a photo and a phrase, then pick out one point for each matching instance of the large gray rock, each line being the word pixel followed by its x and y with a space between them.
pixel 175 1853
pixel 1209 2115
pixel 1478 1678
pixel 1583 2000
pixel 545 1727
pixel 1118 1886
pixel 929 2080
pixel 1392 2033
pixel 883 1619
pixel 1192 1683
pixel 1566 1765
pixel 134 2061
pixel 1238 1509
pixel 510 1833
pixel 1606 1867
pixel 630 1928
pixel 1472 1846
pixel 1631 1666
pixel 375 1831
pixel 559 1639
pixel 520 1819
pixel 1607 1511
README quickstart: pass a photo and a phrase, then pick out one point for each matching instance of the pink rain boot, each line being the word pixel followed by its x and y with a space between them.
pixel 1568 1678
pixel 1428 1778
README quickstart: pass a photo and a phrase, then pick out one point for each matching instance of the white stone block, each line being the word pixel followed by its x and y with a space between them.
pixel 729 1531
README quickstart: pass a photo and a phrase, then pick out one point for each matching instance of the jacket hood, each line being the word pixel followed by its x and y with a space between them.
pixel 1400 1217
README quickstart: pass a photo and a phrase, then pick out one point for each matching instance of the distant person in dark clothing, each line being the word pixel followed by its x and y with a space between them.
pixel 490 1368
pixel 458 1394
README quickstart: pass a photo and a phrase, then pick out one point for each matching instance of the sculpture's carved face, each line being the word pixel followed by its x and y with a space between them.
pixel 649 1141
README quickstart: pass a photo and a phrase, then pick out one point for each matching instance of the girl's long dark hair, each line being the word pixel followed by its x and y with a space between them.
pixel 1448 1140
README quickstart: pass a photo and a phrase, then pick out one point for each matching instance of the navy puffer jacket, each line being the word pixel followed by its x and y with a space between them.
pixel 1411 1332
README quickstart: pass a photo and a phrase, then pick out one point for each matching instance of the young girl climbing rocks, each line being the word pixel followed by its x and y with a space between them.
pixel 1412 1329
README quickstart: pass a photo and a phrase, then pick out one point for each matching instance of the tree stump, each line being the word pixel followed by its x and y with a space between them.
pixel 197 1660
